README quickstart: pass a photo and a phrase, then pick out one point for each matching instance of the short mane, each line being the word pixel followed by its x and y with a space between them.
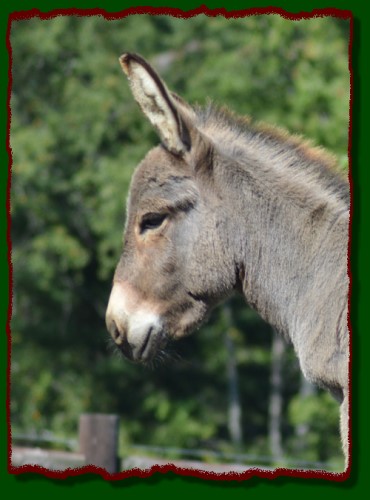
pixel 288 155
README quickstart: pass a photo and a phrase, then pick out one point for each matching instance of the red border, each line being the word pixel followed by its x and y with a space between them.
pixel 350 67
pixel 175 12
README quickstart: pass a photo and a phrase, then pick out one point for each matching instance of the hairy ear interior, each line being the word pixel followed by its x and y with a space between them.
pixel 156 102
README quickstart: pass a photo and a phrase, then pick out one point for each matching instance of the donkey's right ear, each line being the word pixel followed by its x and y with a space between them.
pixel 161 108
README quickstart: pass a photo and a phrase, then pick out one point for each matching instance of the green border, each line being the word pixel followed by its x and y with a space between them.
pixel 170 483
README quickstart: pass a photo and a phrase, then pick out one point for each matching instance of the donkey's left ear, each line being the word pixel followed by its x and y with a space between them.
pixel 158 104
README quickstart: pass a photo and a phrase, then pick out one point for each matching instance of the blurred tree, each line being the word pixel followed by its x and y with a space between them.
pixel 276 398
pixel 76 136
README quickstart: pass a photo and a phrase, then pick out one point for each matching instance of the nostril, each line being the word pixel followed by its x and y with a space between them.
pixel 115 333
pixel 120 340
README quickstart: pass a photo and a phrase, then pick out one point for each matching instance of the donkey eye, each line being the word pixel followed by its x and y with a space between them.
pixel 151 221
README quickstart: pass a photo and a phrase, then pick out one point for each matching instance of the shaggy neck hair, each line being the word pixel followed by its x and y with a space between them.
pixel 306 172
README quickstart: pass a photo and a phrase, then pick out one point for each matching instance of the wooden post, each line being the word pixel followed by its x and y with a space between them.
pixel 98 437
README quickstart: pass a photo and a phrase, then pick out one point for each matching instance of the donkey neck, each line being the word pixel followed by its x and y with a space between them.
pixel 289 215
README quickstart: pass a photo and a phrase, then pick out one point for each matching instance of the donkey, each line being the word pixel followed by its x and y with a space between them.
pixel 223 204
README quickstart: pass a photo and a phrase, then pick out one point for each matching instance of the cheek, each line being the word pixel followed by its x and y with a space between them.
pixel 186 237
pixel 157 255
pixel 156 267
pixel 207 266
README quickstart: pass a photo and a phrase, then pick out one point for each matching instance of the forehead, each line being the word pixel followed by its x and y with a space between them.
pixel 157 175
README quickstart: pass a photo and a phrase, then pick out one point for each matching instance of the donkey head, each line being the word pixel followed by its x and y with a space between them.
pixel 174 266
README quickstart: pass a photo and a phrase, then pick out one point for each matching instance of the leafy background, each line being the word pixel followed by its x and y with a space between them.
pixel 76 136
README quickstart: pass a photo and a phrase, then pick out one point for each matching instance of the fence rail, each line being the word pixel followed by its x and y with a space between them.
pixel 97 444
pixel 59 460
pixel 50 459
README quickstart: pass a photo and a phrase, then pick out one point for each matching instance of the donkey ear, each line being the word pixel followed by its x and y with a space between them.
pixel 158 104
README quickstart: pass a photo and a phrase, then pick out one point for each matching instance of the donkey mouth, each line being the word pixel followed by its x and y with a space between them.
pixel 145 346
pixel 148 349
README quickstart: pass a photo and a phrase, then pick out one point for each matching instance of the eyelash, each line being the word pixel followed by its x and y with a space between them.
pixel 151 221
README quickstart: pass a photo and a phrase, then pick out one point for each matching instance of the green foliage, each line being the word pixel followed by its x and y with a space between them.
pixel 76 136
pixel 320 414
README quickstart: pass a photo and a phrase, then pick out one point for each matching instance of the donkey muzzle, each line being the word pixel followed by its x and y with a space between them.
pixel 135 329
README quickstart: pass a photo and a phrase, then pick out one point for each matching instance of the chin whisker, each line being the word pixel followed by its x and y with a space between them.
pixel 113 349
pixel 110 344
pixel 164 356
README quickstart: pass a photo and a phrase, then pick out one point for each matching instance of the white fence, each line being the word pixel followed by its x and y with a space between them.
pixel 97 444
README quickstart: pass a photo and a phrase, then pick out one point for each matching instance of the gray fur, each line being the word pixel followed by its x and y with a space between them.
pixel 246 208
